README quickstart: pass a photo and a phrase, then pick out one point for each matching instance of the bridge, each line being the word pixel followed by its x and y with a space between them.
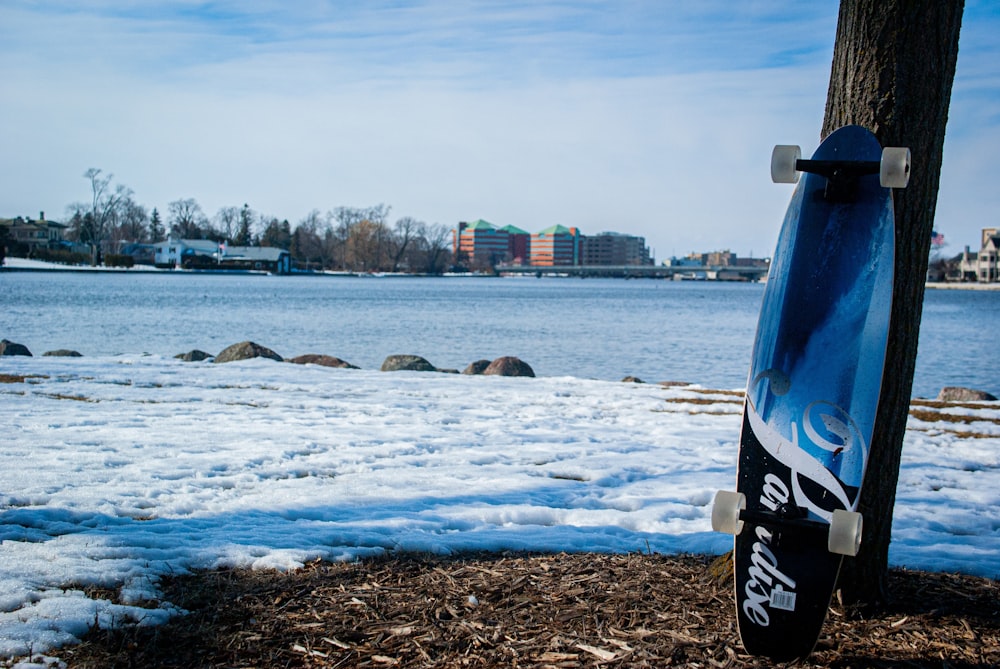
pixel 676 272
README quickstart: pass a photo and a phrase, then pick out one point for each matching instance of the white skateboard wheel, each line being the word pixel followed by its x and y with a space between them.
pixel 845 533
pixel 783 159
pixel 894 169
pixel 726 511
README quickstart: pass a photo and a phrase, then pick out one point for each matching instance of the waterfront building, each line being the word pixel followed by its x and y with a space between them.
pixel 555 246
pixel 983 266
pixel 519 244
pixel 32 235
pixel 481 244
pixel 614 248
pixel 208 254
pixel 173 252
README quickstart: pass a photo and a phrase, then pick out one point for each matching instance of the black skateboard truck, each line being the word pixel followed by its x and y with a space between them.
pixel 843 532
pixel 842 176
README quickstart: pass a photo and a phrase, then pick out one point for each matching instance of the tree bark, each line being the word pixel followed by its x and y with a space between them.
pixel 893 68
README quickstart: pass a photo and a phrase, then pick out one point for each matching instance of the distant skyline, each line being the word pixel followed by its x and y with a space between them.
pixel 653 119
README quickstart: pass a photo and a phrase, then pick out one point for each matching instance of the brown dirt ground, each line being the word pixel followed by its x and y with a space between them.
pixel 521 610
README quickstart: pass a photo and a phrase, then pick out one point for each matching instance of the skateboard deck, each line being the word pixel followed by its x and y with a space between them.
pixel 812 393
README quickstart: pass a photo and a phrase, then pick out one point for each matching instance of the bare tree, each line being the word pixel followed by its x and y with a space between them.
pixel 405 229
pixel 893 68
pixel 363 246
pixel 227 221
pixel 186 219
pixel 434 245
pixel 104 206
pixel 306 244
pixel 333 246
pixel 364 235
pixel 131 224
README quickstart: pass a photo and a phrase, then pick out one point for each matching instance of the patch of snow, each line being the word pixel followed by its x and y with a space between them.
pixel 115 471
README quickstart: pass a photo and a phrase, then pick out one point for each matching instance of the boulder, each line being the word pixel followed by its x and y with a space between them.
pixel 193 356
pixel 63 353
pixel 244 351
pixel 8 347
pixel 322 360
pixel 413 363
pixel 509 366
pixel 477 367
pixel 632 379
pixel 958 394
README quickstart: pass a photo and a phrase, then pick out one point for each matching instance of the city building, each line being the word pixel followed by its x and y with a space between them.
pixel 481 244
pixel 555 246
pixel 614 248
pixel 519 244
pixel 719 266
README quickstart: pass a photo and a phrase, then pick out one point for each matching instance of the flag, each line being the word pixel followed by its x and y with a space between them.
pixel 937 239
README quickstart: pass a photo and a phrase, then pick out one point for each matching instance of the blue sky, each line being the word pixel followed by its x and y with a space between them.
pixel 650 118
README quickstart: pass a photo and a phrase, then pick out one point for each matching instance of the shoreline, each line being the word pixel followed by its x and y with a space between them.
pixel 944 285
pixel 25 265
pixel 916 400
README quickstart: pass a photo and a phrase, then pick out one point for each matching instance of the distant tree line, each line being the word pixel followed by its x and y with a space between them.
pixel 358 239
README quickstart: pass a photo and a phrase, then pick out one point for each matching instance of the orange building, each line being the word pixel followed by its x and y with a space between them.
pixel 481 244
pixel 555 246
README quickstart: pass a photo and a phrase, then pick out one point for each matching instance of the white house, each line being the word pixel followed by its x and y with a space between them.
pixel 985 265
pixel 206 254
pixel 173 252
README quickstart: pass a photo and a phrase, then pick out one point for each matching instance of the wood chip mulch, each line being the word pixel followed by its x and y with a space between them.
pixel 519 610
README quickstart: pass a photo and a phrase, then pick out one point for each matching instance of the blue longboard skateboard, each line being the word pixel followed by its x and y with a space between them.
pixel 813 389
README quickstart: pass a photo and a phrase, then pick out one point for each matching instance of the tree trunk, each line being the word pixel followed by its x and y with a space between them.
pixel 893 67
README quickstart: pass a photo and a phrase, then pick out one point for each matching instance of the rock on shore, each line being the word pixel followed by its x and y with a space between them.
pixel 194 355
pixel 405 362
pixel 63 353
pixel 509 366
pixel 959 394
pixel 8 347
pixel 246 350
pixel 322 360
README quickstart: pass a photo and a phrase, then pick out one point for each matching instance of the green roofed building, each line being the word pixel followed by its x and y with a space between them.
pixel 519 246
pixel 481 244
pixel 556 245
pixel 514 230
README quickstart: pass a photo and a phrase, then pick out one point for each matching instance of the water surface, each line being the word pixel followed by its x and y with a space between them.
pixel 699 332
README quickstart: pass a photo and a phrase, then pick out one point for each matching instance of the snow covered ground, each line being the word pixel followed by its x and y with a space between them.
pixel 115 471
pixel 41 265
